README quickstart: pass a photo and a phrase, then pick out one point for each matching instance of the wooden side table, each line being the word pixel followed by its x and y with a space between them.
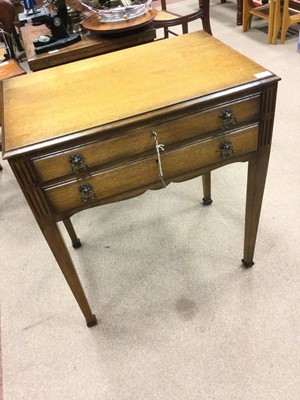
pixel 192 96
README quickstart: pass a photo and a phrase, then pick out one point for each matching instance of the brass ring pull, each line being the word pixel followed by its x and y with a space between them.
pixel 226 149
pixel 77 162
pixel 228 118
pixel 86 192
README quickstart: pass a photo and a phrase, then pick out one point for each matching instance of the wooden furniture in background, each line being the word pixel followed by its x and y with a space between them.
pixel 239 12
pixel 93 23
pixel 101 141
pixel 280 14
pixel 92 44
pixel 265 11
pixel 7 23
pixel 8 69
pixel 166 19
pixel 287 13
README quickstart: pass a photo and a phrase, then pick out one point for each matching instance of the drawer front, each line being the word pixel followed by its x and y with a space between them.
pixel 103 185
pixel 74 161
pixel 143 173
pixel 206 153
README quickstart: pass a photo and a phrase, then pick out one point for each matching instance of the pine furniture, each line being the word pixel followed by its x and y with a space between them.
pixel 265 11
pixel 287 13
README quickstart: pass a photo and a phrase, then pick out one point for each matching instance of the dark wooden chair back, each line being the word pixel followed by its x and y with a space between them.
pixel 166 19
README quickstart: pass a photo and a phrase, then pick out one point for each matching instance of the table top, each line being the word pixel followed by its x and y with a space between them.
pixel 91 44
pixel 8 69
pixel 58 104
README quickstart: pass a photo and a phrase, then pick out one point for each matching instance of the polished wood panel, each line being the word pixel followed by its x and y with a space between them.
pixel 116 86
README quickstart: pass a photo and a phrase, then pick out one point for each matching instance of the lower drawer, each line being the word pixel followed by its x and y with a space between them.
pixel 68 196
pixel 194 156
pixel 144 172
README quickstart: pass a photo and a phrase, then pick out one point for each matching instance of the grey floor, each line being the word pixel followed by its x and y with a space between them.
pixel 178 316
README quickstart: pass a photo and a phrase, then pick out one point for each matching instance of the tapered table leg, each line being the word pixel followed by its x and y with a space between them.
pixel 71 231
pixel 257 172
pixel 60 251
pixel 206 183
pixel 42 213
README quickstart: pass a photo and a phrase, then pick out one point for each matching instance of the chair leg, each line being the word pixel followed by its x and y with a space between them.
pixel 10 50
pixel 247 23
pixel 277 21
pixel 271 21
pixel 17 39
pixel 70 229
pixel 247 17
pixel 285 21
pixel 206 183
pixel 204 5
pixel 239 12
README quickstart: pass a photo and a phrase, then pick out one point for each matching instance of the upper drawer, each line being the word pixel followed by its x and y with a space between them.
pixel 82 158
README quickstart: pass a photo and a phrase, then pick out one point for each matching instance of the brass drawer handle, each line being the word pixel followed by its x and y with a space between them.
pixel 77 162
pixel 86 192
pixel 228 118
pixel 226 148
